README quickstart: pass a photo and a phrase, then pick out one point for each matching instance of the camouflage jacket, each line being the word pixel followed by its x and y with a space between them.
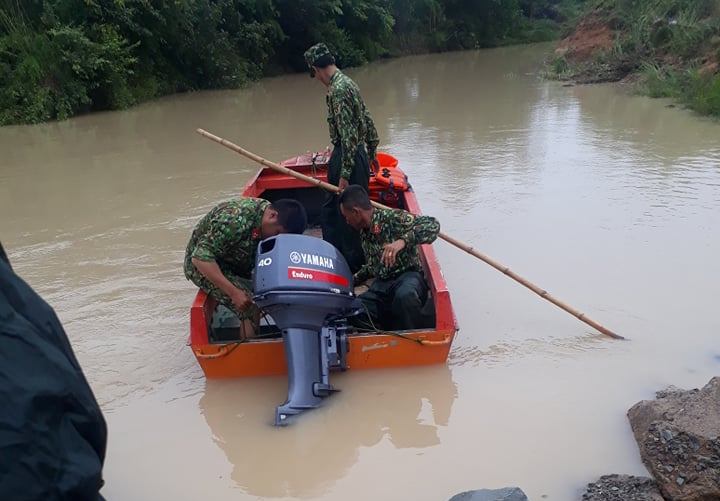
pixel 349 121
pixel 229 234
pixel 386 226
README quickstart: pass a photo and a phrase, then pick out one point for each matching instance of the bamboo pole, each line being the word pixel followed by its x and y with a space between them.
pixel 453 241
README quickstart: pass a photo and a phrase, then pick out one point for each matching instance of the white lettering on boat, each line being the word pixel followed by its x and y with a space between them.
pixel 378 346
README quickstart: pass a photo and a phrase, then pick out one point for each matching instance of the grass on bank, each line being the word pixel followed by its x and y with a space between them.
pixel 670 44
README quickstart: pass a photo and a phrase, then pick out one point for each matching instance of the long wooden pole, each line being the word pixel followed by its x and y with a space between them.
pixel 453 241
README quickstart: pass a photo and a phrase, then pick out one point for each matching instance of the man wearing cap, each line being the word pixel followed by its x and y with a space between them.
pixel 221 253
pixel 391 239
pixel 355 141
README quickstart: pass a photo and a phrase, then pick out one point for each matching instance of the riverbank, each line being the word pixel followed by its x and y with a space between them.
pixel 59 59
pixel 669 48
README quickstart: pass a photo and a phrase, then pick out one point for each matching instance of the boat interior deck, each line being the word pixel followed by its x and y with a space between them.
pixel 225 326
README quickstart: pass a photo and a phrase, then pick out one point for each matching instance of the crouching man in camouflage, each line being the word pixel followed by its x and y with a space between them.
pixel 221 253
pixel 389 240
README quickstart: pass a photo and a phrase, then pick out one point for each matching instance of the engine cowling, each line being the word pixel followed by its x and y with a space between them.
pixel 306 286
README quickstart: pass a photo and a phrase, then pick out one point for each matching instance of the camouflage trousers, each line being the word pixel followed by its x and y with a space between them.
pixel 251 313
pixel 399 304
pixel 334 228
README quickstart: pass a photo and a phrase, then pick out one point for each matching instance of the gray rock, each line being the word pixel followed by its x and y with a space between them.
pixel 622 488
pixel 679 439
pixel 504 494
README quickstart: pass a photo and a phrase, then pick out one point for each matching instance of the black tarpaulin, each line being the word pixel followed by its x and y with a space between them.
pixel 52 432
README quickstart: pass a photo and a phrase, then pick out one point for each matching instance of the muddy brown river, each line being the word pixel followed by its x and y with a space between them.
pixel 608 200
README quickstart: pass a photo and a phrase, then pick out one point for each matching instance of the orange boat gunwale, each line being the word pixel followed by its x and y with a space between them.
pixel 266 357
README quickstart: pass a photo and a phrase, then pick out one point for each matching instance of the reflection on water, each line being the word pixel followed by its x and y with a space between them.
pixel 610 202
pixel 306 459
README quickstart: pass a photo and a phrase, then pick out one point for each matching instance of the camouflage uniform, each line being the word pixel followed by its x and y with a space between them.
pixel 396 298
pixel 229 235
pixel 349 121
pixel 354 137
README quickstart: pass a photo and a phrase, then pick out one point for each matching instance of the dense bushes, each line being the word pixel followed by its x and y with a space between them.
pixel 696 89
pixel 63 57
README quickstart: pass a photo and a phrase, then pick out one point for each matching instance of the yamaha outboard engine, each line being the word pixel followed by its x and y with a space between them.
pixel 305 285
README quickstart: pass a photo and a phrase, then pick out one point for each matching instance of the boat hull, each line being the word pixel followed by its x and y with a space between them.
pixel 266 357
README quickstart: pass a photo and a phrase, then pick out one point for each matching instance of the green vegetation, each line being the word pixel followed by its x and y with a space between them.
pixel 698 91
pixel 657 28
pixel 59 58
pixel 673 45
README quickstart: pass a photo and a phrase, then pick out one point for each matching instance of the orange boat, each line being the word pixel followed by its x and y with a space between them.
pixel 222 354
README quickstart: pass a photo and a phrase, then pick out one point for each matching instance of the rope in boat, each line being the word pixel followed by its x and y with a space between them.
pixel 226 349
pixel 378 331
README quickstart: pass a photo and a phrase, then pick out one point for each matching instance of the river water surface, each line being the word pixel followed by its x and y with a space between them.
pixel 609 201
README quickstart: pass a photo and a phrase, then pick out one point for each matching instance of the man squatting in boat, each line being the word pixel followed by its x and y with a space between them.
pixel 222 250
pixel 390 240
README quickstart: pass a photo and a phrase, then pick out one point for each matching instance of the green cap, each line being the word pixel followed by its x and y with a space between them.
pixel 316 52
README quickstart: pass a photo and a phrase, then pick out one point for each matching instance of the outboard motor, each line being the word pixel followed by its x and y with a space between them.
pixel 305 284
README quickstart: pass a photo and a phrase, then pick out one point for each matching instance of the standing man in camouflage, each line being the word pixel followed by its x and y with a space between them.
pixel 355 141
pixel 221 253
pixel 390 239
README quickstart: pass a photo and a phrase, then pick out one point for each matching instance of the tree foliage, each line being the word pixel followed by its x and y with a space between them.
pixel 63 57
